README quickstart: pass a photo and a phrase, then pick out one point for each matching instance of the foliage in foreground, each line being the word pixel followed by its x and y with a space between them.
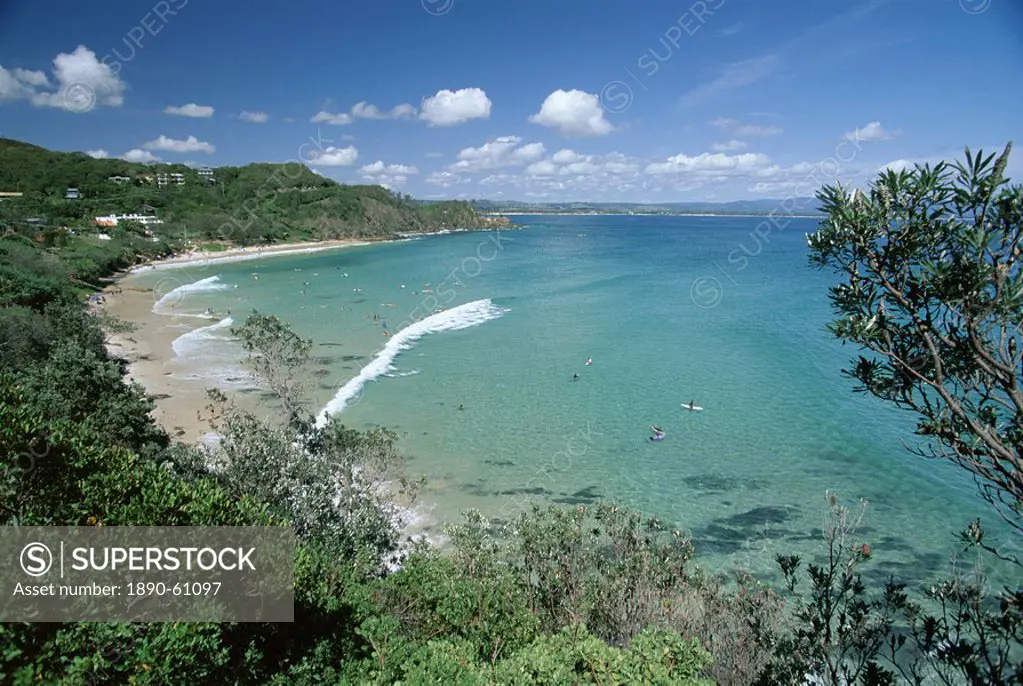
pixel 933 289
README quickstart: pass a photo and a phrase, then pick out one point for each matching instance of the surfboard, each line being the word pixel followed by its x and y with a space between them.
pixel 692 408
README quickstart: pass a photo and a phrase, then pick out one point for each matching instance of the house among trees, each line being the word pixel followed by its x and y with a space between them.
pixel 147 210
pixel 119 179
pixel 115 219
pixel 72 194
pixel 4 195
pixel 206 173
pixel 175 179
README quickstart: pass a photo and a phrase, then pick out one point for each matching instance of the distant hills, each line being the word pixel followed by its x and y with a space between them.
pixel 255 203
pixel 808 206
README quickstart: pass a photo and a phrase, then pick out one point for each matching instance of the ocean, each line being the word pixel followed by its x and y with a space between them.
pixel 467 345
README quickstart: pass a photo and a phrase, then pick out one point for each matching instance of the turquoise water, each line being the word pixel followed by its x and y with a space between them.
pixel 670 310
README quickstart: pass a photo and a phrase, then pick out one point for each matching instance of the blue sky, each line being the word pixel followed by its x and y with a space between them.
pixel 538 100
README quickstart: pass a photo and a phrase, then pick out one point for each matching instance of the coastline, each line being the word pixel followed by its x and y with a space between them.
pixel 238 254
pixel 148 349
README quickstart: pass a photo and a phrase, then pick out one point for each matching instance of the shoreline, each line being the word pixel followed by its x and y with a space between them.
pixel 149 353
pixel 148 349
pixel 239 254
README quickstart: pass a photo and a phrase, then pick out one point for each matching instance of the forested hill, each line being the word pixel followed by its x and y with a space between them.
pixel 256 203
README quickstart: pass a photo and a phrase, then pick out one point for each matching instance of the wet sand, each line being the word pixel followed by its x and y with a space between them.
pixel 149 353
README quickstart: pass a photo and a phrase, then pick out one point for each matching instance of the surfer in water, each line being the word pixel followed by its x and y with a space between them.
pixel 575 377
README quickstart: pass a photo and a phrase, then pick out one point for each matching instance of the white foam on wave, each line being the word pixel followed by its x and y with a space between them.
pixel 461 317
pixel 209 353
pixel 192 343
pixel 398 375
pixel 174 297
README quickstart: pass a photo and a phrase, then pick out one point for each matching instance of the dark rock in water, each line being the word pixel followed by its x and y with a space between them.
pixel 536 490
pixel 500 463
pixel 587 494
pixel 162 396
pixel 760 516
pixel 352 358
pixel 321 372
pixel 323 360
pixel 332 345
pixel 717 483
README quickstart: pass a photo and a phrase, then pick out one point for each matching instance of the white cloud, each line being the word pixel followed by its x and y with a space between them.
pixel 379 167
pixel 12 87
pixel 573 113
pixel 729 146
pixel 32 78
pixel 138 155
pixel 566 156
pixel 364 110
pixel 81 81
pixel 450 108
pixel 190 110
pixel 254 117
pixel 871 132
pixel 325 117
pixel 504 151
pixel 388 175
pixel 98 154
pixel 335 157
pixel 543 168
pixel 190 144
pixel 445 179
pixel 711 164
pixel 735 128
pixel 593 175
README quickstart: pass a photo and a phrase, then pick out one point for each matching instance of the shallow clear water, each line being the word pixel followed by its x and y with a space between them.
pixel 671 309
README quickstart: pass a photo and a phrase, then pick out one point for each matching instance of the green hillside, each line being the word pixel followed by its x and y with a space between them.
pixel 256 203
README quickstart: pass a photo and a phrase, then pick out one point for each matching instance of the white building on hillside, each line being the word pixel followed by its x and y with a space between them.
pixel 114 219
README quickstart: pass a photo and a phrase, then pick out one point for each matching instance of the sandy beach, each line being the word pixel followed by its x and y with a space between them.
pixel 202 257
pixel 180 401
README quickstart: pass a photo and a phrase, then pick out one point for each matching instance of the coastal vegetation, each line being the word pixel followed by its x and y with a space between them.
pixel 249 205
pixel 931 290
